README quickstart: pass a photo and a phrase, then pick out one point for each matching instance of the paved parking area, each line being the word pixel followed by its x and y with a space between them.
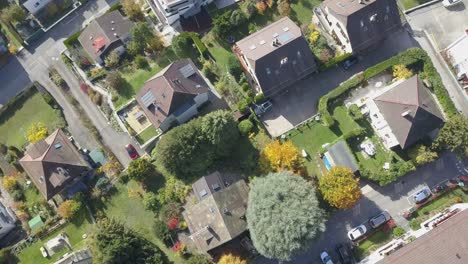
pixel 445 24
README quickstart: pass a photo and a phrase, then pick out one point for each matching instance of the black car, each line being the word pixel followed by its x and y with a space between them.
pixel 345 253
pixel 349 63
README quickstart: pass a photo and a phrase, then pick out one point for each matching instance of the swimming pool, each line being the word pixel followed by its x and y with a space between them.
pixel 327 163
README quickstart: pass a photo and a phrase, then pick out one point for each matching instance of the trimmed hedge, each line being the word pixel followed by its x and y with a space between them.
pixel 334 61
pixel 199 44
pixel 117 6
pixel 72 40
pixel 407 57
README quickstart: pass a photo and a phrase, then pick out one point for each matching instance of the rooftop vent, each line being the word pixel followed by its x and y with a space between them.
pixel 275 35
pixel 112 29
pixel 286 29
pixel 252 47
pixel 361 2
pixel 91 37
pixel 339 4
pixel 112 22
pixel 203 193
pixel 115 34
pixel 216 187
pixel 57 146
pixel 262 42
pixel 275 42
pixel 198 86
pixel 406 113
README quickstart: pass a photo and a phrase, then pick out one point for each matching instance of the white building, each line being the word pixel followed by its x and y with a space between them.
pixel 171 11
pixel 457 53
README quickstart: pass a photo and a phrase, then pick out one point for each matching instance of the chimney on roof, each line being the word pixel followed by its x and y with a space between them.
pixel 406 113
pixel 275 42
pixel 91 37
pixel 112 29
pixel 112 22
pixel 361 2
pixel 115 34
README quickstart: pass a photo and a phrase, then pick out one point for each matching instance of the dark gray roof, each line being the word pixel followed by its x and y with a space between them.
pixel 342 156
pixel 410 111
pixel 356 17
pixel 107 31
pixel 218 218
pixel 207 185
pixel 445 244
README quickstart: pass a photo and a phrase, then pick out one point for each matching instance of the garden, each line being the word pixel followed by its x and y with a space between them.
pixel 407 4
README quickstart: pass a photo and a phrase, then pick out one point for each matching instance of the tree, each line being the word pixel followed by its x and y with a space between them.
pixel 199 259
pixel 115 81
pixel 261 7
pixel 454 135
pixel 182 45
pixel 231 259
pixel 277 156
pixel 339 187
pixel 250 8
pixel 69 208
pixel 37 131
pixel 234 67
pixel 10 183
pixel 114 243
pixel 401 72
pixel 140 62
pixel 132 9
pixel 155 44
pixel 219 129
pixel 162 231
pixel 150 201
pixel 142 34
pixel 222 24
pixel 283 215
pixel 424 155
pixel 174 191
pixel 13 13
pixel 237 17
pixel 112 59
pixel 284 7
pixel 141 169
pixel 314 36
pixel 245 127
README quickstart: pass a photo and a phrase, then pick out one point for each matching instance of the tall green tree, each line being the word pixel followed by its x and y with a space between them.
pixel 132 9
pixel 114 243
pixel 219 129
pixel 222 24
pixel 454 135
pixel 142 35
pixel 13 13
pixel 182 45
pixel 283 215
pixel 141 169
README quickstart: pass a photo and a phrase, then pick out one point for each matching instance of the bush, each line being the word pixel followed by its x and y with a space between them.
pixel 68 209
pixel 72 40
pixel 259 98
pixel 140 62
pixel 355 113
pixel 10 183
pixel 415 224
pixel 115 81
pixel 18 195
pixel 334 61
pixel 245 127
pixel 182 45
pixel 124 178
pixel 245 87
pixel 162 231
pixel 398 231
pixel 150 201
pixel 234 67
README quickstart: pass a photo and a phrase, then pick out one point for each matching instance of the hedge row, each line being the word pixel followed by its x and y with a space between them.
pixel 72 40
pixel 199 44
pixel 408 57
pixel 334 61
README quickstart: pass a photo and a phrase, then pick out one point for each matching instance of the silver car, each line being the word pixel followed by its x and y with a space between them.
pixel 380 219
pixel 422 196
pixel 357 232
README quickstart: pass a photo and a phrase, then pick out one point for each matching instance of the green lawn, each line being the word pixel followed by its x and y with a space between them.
pixel 81 224
pixel 439 204
pixel 372 243
pixel 302 10
pixel 146 134
pixel 15 121
pixel 131 212
pixel 10 35
pixel 407 4
pixel 345 122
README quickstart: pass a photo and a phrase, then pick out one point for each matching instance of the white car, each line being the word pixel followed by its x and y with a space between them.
pixel 44 252
pixel 326 259
pixel 448 3
pixel 357 232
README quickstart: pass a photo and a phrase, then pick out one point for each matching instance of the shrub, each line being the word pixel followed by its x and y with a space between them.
pixel 245 87
pixel 162 231
pixel 415 224
pixel 245 127
pixel 115 81
pixel 72 40
pixel 112 60
pixel 150 201
pixel 10 183
pixel 182 45
pixel 124 178
pixel 234 67
pixel 69 208
pixel 140 62
pixel 18 195
pixel 355 113
pixel 259 98
pixel 398 231
pixel 401 72
pixel 199 44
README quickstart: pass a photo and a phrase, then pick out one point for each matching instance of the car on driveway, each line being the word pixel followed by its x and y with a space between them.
pixel 326 259
pixel 449 3
pixel 345 253
pixel 263 108
pixel 380 219
pixel 349 63
pixel 131 151
pixel 44 252
pixel 422 196
pixel 357 232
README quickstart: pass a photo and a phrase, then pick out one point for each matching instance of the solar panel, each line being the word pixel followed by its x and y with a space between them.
pixel 285 37
pixel 148 98
pixel 187 71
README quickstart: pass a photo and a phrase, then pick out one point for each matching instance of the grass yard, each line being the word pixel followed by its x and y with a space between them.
pixel 146 134
pixel 81 224
pixel 15 121
pixel 439 204
pixel 407 4
pixel 302 10
pixel 15 41
pixel 131 212
pixel 372 243
pixel 345 122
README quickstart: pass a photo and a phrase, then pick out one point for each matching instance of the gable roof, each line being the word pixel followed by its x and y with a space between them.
pixel 278 53
pixel 171 91
pixel 103 32
pixel 207 185
pixel 53 163
pixel 342 156
pixel 366 21
pixel 218 218
pixel 410 111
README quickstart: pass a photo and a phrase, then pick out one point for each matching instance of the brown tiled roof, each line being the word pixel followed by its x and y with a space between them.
pixel 445 244
pixel 53 163
pixel 410 111
pixel 171 90
pixel 219 217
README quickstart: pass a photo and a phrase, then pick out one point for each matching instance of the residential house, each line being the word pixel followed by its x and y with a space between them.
pixel 171 11
pixel 219 216
pixel 54 164
pixel 106 33
pixel 43 10
pixel 405 113
pixel 339 154
pixel 276 56
pixel 446 243
pixel 7 220
pixel 174 95
pixel 357 25
pixel 82 256
pixel 457 55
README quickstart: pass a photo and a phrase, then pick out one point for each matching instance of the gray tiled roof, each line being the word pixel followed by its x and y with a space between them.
pixel 342 156
pixel 412 98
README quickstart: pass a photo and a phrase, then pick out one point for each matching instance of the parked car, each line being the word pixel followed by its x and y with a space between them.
pixel 380 219
pixel 345 253
pixel 422 196
pixel 357 232
pixel 326 259
pixel 349 63
pixel 263 108
pixel 448 3
pixel 131 151
pixel 44 252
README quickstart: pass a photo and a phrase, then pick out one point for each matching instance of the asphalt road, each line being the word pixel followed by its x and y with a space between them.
pixel 393 198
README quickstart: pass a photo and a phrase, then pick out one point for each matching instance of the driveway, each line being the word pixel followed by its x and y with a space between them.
pixel 14 79
pixel 393 198
pixel 299 102
pixel 444 24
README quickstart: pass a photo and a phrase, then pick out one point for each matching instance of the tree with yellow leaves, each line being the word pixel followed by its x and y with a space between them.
pixel 37 131
pixel 10 183
pixel 339 187
pixel 401 72
pixel 277 156
pixel 69 208
pixel 231 259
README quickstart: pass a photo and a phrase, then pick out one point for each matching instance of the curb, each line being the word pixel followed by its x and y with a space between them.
pixel 421 6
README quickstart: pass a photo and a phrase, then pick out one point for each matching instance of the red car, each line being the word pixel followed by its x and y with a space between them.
pixel 131 151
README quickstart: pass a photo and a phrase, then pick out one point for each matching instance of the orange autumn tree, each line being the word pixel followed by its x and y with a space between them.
pixel 339 187
pixel 231 259
pixel 277 156
pixel 69 208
